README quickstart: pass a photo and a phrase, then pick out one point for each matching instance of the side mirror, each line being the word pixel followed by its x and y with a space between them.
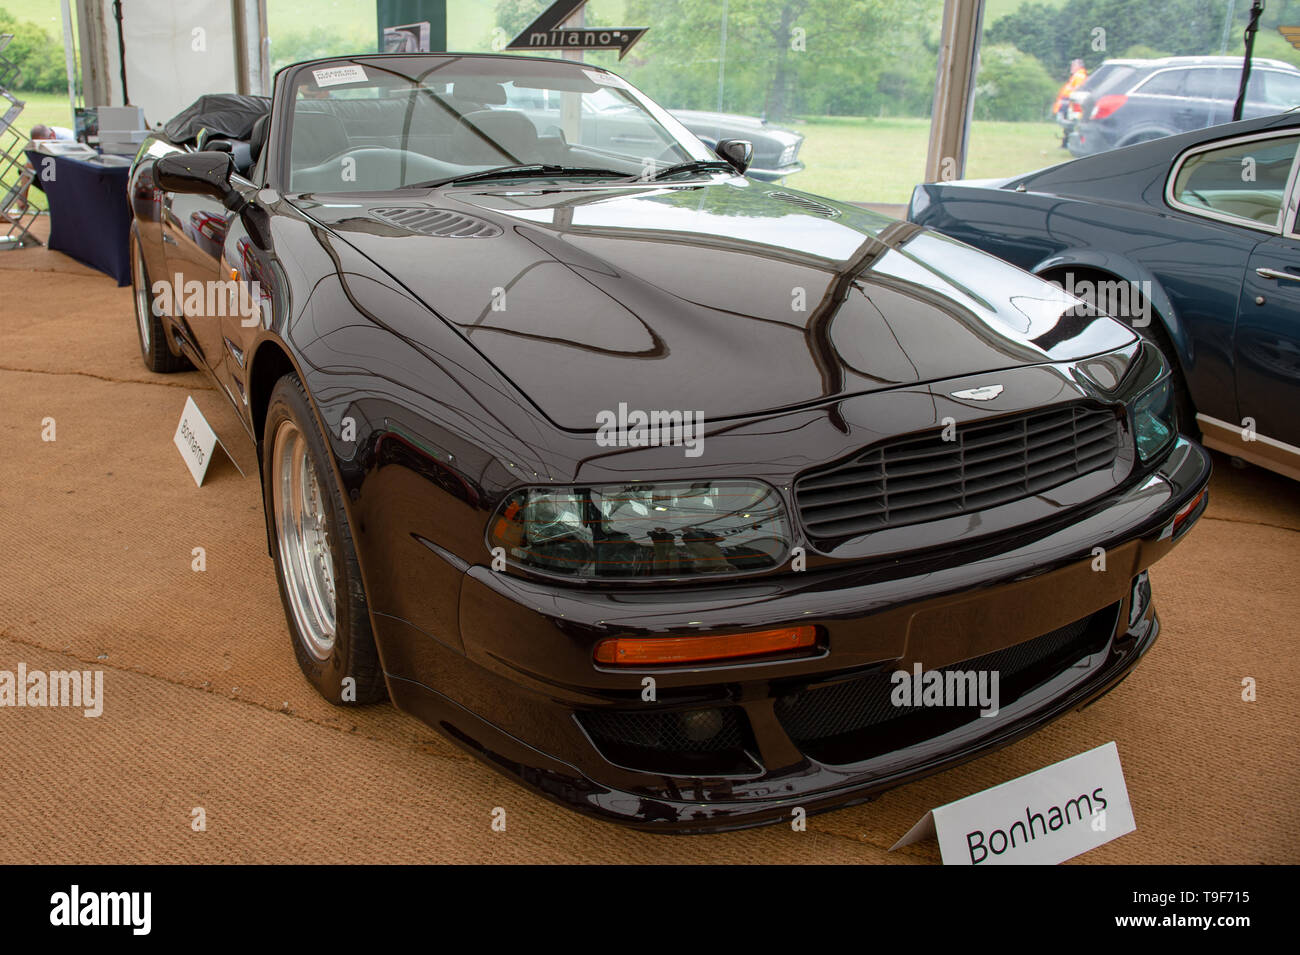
pixel 205 173
pixel 738 152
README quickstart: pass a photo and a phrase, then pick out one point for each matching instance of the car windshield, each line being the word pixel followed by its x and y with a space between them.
pixel 379 124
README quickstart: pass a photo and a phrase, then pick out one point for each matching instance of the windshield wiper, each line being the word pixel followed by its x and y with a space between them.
pixel 693 165
pixel 535 170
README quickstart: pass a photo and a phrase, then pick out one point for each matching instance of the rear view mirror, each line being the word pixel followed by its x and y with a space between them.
pixel 205 173
pixel 738 152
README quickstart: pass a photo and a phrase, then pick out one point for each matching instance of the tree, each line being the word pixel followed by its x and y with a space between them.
pixel 1095 30
pixel 1011 86
pixel 36 53
pixel 783 56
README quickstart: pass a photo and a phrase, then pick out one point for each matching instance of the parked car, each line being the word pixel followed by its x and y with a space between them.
pixel 776 149
pixel 1102 78
pixel 1198 232
pixel 610 122
pixel 1151 99
pixel 645 489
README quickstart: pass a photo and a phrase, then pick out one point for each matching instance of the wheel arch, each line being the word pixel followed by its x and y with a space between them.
pixel 1162 331
pixel 1113 267
pixel 270 363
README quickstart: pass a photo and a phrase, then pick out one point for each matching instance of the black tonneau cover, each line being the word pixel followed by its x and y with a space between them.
pixel 230 115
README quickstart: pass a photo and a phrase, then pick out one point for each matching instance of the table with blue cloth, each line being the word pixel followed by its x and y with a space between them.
pixel 90 217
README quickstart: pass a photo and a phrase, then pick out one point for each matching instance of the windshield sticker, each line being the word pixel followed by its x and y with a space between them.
pixel 605 79
pixel 336 75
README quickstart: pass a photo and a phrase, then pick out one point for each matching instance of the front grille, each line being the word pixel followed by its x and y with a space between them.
pixel 856 719
pixel 676 742
pixel 926 478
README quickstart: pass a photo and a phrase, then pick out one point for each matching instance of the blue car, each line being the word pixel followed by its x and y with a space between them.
pixel 1193 240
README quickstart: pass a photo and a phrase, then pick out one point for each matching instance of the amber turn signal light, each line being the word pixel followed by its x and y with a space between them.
pixel 1183 515
pixel 658 651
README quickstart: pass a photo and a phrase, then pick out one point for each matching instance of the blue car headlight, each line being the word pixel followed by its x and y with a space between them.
pixel 1155 422
pixel 671 529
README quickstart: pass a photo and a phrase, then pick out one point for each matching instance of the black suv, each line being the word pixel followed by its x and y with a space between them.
pixel 1140 100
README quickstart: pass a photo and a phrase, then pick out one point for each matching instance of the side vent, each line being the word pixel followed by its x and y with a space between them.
pixel 437 222
pixel 806 204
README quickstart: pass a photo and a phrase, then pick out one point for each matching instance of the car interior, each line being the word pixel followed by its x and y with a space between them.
pixel 1247 180
pixel 399 138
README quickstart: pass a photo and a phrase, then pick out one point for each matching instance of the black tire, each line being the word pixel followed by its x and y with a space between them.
pixel 1154 332
pixel 154 349
pixel 352 654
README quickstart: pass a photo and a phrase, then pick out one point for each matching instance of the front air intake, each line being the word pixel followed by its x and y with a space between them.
pixel 436 222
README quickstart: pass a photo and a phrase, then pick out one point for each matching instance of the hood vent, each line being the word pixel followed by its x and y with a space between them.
pixel 436 222
pixel 807 205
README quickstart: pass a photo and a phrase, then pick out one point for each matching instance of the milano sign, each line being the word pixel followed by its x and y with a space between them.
pixel 548 33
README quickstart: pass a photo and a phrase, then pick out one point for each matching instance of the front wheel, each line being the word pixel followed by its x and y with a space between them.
pixel 154 350
pixel 315 560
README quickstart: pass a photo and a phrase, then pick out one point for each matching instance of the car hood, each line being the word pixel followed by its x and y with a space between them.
pixel 725 299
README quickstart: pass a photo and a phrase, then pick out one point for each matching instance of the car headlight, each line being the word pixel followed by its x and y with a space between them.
pixel 1155 422
pixel 674 529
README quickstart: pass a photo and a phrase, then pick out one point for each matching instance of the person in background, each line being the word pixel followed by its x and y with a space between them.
pixel 1078 76
pixel 39 131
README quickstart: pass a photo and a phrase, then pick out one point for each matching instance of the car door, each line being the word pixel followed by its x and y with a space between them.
pixel 1203 103
pixel 194 230
pixel 1267 341
pixel 1243 184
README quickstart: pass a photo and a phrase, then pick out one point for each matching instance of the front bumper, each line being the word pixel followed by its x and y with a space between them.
pixel 1088 139
pixel 743 744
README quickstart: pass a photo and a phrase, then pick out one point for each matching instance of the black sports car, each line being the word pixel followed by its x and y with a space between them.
pixel 1191 238
pixel 642 480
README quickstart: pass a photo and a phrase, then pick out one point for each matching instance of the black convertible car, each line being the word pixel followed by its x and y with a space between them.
pixel 640 479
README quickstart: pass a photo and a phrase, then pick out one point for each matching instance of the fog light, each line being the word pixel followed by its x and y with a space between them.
pixel 701 725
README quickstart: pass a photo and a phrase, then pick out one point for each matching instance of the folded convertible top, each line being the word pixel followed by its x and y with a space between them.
pixel 231 115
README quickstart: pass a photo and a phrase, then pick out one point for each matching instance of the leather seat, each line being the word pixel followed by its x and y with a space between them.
pixel 317 137
pixel 494 137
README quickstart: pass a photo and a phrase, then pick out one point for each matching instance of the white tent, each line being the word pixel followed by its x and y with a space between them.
pixel 175 50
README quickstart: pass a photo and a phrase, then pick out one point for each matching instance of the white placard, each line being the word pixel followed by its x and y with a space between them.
pixel 195 440
pixel 1042 818
pixel 337 75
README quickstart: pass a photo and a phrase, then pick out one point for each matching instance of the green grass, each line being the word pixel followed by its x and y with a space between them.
pixel 880 160
pixel 49 108
pixel 45 13
pixel 52 109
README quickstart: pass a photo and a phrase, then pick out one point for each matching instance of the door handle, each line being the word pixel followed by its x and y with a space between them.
pixel 1278 275
pixel 168 240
